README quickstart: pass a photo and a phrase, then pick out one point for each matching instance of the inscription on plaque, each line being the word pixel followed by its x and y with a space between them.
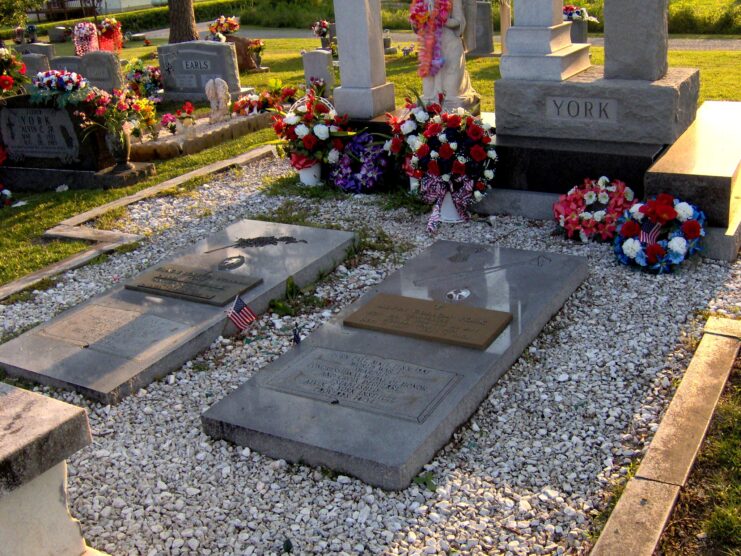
pixel 196 65
pixel 599 110
pixel 39 133
pixel 437 321
pixel 212 287
pixel 90 325
pixel 366 382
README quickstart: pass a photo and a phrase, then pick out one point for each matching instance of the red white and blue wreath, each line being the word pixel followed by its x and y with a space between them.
pixel 660 234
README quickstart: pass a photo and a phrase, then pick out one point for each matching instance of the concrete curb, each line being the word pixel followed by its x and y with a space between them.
pixel 106 241
pixel 639 518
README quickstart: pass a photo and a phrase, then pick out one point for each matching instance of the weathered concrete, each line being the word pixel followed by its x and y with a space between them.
pixel 377 405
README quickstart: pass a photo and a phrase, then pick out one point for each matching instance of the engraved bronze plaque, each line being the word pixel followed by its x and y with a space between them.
pixel 366 382
pixel 212 287
pixel 437 321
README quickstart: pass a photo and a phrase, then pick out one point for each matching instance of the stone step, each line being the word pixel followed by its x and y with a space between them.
pixel 557 66
pixel 704 165
pixel 538 40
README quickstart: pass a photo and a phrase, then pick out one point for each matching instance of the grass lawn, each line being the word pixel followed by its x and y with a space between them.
pixel 21 229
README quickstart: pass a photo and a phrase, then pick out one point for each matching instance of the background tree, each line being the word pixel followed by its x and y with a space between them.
pixel 13 12
pixel 182 21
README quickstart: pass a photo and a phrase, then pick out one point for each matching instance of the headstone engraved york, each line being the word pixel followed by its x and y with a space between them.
pixel 379 404
pixel 120 341
pixel 35 63
pixel 187 67
pixel 318 64
pixel 364 93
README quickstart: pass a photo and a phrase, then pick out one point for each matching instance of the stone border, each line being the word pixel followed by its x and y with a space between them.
pixel 106 241
pixel 638 520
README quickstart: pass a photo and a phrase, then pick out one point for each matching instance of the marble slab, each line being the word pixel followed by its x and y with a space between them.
pixel 379 406
pixel 120 341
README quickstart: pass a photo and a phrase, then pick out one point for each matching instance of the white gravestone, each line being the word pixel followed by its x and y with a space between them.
pixel 318 64
pixel 364 92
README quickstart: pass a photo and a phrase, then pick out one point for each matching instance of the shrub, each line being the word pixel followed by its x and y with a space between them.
pixel 299 14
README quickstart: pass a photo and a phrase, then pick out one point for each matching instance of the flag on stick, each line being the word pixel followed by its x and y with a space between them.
pixel 241 315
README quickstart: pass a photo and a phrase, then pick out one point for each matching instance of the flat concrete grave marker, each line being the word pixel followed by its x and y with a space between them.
pixel 379 406
pixel 193 283
pixel 438 321
pixel 120 341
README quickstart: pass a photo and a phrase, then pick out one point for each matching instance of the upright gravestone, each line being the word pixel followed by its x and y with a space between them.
pixel 484 30
pixel 67 63
pixel 35 63
pixel 364 93
pixel 103 70
pixel 318 65
pixel 37 48
pixel 187 67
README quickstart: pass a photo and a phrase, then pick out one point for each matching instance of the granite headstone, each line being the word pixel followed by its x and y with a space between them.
pixel 46 49
pixel 318 64
pixel 484 30
pixel 68 63
pixel 103 70
pixel 35 63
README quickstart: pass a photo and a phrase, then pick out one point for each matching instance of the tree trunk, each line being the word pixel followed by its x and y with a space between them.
pixel 182 21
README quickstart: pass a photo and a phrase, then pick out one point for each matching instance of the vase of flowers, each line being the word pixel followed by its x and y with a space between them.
pixel 256 47
pixel 312 133
pixel 224 25
pixel 119 144
pixel 579 18
pixel 144 80
pixel 321 31
pixel 12 73
pixel 185 116
pixel 360 167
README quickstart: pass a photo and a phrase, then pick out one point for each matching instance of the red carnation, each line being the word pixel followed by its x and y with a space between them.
pixel 630 229
pixel 6 82
pixel 480 186
pixel 338 144
pixel 459 168
pixel 664 213
pixel 478 153
pixel 396 144
pixel 423 150
pixel 434 108
pixel 433 168
pixel 22 71
pixel 432 130
pixel 446 151
pixel 310 141
pixel 665 199
pixel 453 121
pixel 654 253
pixel 475 132
pixel 691 229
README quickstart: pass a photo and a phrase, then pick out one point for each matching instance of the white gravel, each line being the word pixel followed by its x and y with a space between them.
pixel 525 476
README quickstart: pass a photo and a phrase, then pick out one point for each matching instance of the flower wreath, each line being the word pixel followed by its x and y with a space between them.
pixel 360 167
pixel 660 234
pixel 591 210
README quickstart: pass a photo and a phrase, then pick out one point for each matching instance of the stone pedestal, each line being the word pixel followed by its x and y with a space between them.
pixel 539 44
pixel 636 39
pixel 364 92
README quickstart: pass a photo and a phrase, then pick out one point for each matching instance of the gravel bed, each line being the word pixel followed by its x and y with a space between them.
pixel 527 474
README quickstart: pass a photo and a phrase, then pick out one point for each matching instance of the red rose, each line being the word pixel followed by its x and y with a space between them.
pixel 453 121
pixel 691 229
pixel 432 130
pixel 396 144
pixel 22 71
pixel 486 139
pixel 654 253
pixel 423 150
pixel 310 141
pixel 665 213
pixel 630 229
pixel 459 168
pixel 338 144
pixel 478 153
pixel 446 151
pixel 665 199
pixel 434 108
pixel 321 108
pixel 480 186
pixel 278 126
pixel 475 133
pixel 6 82
pixel 433 168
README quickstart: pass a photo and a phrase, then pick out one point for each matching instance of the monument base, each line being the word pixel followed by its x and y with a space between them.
pixel 555 67
pixel 555 166
pixel 365 103
pixel 44 179
pixel 588 106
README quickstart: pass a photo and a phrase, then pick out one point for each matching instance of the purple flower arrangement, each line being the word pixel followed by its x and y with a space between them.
pixel 361 165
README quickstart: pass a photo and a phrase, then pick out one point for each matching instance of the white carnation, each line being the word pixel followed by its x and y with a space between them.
pixel 332 114
pixel 421 116
pixel 684 211
pixel 488 174
pixel 301 131
pixel 333 129
pixel 333 156
pixel 477 196
pixel 629 195
pixel 413 142
pixel 631 247
pixel 603 198
pixel 301 108
pixel 572 190
pixel 442 138
pixel 446 177
pixel 635 211
pixel 437 119
pixel 492 154
pixel 590 197
pixel 599 216
pixel 291 119
pixel 408 126
pixel 678 245
pixel 586 215
pixel 321 131
pixel 434 154
pixel 415 160
pixel 460 111
pixel 462 159
pixel 387 146
pixel 603 181
pixel 454 146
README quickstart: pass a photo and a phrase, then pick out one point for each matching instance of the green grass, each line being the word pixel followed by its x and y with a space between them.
pixel 21 229
pixel 707 517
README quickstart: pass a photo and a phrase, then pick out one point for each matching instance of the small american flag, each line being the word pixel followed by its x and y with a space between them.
pixel 241 315
pixel 649 234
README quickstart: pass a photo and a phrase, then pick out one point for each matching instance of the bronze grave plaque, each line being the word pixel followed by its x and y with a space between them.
pixel 437 321
pixel 213 287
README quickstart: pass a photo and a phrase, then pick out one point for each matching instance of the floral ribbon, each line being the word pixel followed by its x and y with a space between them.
pixel 301 162
pixel 433 190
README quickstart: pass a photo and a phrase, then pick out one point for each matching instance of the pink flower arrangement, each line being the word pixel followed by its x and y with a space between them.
pixel 169 122
pixel 591 210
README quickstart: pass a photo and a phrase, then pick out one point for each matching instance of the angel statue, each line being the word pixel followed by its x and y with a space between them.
pixel 443 36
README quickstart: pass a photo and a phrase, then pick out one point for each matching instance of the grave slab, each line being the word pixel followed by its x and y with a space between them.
pixel 122 340
pixel 378 405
